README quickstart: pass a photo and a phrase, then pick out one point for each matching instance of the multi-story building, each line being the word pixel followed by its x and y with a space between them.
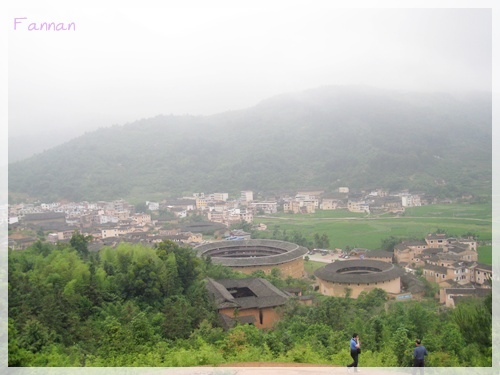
pixel 201 203
pixel 481 274
pixel 358 206
pixel 408 200
pixel 246 196
pixel 141 219
pixel 330 204
pixel 219 196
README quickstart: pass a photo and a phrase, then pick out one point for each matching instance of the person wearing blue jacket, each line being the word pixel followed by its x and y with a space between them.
pixel 355 349
pixel 419 354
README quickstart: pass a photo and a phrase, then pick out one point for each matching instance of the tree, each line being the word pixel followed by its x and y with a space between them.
pixel 80 242
pixel 185 259
pixel 141 207
pixel 389 243
pixel 402 346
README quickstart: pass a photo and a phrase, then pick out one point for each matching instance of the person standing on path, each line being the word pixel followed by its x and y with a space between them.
pixel 355 349
pixel 419 354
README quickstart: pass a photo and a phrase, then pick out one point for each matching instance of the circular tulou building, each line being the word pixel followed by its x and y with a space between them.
pixel 356 276
pixel 247 256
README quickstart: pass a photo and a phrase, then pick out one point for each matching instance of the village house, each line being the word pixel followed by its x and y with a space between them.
pixel 188 204
pixel 251 301
pixel 21 243
pixel 186 238
pixel 450 296
pixel 384 256
pixel 216 216
pixel 47 220
pixel 267 207
pixel 219 197
pixel 481 274
pixel 436 274
pixel 409 252
pixel 330 204
pixel 437 240
pixel 202 203
pixel 393 204
pixel 141 219
pixel 297 207
pixel 114 232
pixel 358 206
pixel 409 200
pixel 246 196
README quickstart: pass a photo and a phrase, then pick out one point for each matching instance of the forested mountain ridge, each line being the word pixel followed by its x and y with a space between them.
pixel 327 137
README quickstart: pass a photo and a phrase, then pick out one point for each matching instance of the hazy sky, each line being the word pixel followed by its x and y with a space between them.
pixel 120 65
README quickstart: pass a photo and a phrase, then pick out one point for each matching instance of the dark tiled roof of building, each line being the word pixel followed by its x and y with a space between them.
pixel 432 267
pixel 406 245
pixel 482 266
pixel 457 249
pixel 412 284
pixel 44 216
pixel 378 254
pixel 264 294
pixel 432 251
pixel 342 271
pixel 480 292
pixel 24 240
pixel 436 236
pixel 448 256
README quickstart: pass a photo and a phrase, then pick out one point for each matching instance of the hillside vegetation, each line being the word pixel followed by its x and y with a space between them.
pixel 138 306
pixel 325 138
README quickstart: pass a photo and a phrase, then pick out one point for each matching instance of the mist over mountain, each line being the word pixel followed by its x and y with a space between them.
pixel 327 137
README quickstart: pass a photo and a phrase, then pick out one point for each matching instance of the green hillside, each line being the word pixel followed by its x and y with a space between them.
pixel 326 137
pixel 136 306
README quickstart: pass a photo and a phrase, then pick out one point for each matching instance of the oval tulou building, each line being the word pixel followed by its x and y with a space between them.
pixel 351 277
pixel 247 256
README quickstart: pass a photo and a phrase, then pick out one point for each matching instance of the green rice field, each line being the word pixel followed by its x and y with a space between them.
pixel 367 231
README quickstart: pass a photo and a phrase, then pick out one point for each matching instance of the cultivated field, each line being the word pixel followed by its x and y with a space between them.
pixel 367 231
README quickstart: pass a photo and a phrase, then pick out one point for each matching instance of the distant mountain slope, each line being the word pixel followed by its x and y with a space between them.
pixel 325 137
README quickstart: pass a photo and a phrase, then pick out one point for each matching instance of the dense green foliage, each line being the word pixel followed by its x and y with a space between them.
pixel 327 137
pixel 137 306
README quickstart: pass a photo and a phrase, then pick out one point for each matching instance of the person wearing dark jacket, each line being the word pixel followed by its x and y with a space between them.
pixel 419 354
pixel 355 349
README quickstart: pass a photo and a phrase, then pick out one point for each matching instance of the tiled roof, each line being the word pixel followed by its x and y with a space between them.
pixel 264 293
pixel 412 283
pixel 448 256
pixel 468 291
pixel 436 236
pixel 378 254
pixel 432 267
pixel 279 252
pixel 482 266
pixel 44 216
pixel 377 271
pixel 432 251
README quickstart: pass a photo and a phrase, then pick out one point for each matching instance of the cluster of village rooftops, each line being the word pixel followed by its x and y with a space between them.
pixel 109 221
pixel 452 263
